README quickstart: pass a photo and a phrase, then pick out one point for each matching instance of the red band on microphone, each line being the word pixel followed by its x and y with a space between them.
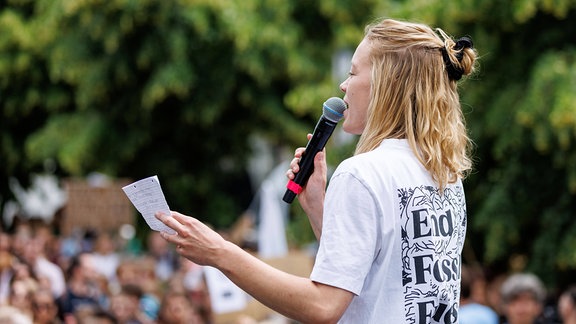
pixel 294 187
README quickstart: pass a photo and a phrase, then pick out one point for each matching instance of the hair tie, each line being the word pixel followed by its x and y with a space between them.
pixel 462 43
pixel 455 73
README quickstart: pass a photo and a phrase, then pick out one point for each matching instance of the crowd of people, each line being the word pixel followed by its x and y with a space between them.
pixel 91 278
pixel 517 298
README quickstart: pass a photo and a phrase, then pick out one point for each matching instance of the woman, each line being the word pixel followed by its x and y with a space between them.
pixel 392 222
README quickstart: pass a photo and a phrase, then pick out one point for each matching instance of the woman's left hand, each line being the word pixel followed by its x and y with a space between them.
pixel 194 240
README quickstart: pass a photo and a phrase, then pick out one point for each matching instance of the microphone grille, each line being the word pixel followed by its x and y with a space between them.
pixel 333 109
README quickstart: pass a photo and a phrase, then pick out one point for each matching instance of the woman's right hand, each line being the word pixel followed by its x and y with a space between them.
pixel 312 196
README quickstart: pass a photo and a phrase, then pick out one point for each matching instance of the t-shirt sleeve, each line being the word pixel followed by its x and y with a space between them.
pixel 349 242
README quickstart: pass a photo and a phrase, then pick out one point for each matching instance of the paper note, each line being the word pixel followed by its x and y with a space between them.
pixel 147 196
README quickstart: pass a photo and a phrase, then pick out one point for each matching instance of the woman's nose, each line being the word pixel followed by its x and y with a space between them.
pixel 344 85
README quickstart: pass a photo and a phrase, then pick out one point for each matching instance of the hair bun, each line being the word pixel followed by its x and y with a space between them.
pixel 455 72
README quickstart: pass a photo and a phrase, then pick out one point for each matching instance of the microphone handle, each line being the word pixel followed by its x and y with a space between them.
pixel 322 132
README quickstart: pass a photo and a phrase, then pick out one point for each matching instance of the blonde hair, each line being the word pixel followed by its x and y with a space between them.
pixel 413 97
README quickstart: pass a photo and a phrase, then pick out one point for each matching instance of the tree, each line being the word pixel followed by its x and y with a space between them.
pixel 173 88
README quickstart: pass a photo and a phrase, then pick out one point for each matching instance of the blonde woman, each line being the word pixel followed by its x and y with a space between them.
pixel 391 223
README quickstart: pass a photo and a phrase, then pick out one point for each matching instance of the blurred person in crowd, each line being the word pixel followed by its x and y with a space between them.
pixel 83 290
pixel 14 269
pixel 21 292
pixel 166 260
pixel 393 212
pixel 189 279
pixel 523 296
pixel 567 305
pixel 106 257
pixel 44 307
pixel 12 315
pixel 23 282
pixel 471 310
pixel 175 308
pixel 200 298
pixel 125 306
pixel 24 272
pixel 127 272
pixel 139 271
pixel 21 235
pixel 50 272
pixel 150 285
pixel 43 231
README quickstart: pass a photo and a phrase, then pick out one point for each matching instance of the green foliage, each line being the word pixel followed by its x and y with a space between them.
pixel 175 88
pixel 66 137
pixel 549 110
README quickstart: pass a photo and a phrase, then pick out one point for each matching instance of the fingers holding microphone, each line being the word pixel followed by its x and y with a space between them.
pixel 317 181
pixel 295 163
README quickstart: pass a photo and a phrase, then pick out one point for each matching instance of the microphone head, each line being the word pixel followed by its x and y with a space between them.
pixel 333 109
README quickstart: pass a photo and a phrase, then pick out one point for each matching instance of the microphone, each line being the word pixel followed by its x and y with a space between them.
pixel 332 112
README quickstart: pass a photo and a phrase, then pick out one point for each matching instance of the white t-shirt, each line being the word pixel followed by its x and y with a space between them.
pixel 392 239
